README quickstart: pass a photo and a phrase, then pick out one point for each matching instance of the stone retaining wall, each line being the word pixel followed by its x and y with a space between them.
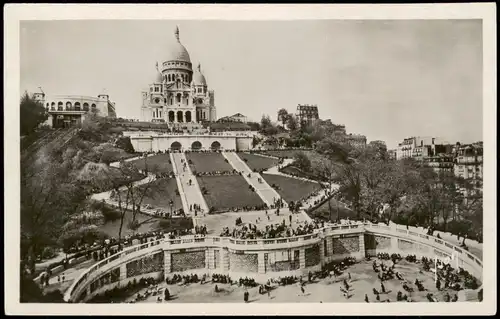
pixel 240 257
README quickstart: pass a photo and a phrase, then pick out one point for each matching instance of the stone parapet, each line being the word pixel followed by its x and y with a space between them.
pixel 233 256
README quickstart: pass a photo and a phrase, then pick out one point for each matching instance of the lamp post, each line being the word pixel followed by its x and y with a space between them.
pixel 171 203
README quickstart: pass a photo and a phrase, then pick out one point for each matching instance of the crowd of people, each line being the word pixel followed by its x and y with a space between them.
pixel 185 279
pixel 119 293
pixel 444 273
pixel 239 208
pixel 279 230
pixel 216 173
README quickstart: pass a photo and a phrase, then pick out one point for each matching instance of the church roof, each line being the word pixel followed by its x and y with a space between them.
pixel 177 52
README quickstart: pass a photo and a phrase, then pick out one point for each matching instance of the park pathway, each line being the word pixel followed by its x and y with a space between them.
pixel 190 194
pixel 263 189
pixel 117 163
pixel 106 195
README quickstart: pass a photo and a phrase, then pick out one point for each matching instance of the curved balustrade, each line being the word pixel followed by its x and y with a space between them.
pixel 468 261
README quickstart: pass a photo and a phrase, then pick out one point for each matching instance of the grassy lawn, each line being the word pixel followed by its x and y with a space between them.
pixel 159 194
pixel 226 192
pixel 338 211
pixel 256 162
pixel 294 171
pixel 116 154
pixel 291 189
pixel 285 153
pixel 208 162
pixel 160 163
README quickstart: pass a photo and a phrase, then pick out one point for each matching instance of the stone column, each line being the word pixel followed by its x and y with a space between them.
pixel 322 252
pixel 167 263
pixel 225 260
pixel 209 258
pixel 302 258
pixel 123 271
pixel 261 263
pixel 362 251
pixel 329 246
pixel 394 243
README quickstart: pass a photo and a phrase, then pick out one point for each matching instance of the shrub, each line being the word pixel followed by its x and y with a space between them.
pixel 133 225
pixel 109 214
pixel 125 144
pixel 48 252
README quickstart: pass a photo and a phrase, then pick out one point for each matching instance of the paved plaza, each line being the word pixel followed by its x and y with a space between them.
pixel 363 280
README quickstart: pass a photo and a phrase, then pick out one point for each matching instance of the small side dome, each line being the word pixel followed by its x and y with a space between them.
pixel 198 77
pixel 159 77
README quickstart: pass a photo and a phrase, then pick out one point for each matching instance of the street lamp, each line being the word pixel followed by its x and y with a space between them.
pixel 171 203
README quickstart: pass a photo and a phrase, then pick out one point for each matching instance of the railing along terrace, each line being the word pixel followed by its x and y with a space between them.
pixel 220 241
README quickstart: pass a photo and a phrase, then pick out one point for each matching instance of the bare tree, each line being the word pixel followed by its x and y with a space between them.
pixel 122 181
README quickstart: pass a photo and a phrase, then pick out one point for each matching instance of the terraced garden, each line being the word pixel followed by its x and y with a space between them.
pixel 291 189
pixel 227 192
pixel 157 163
pixel 257 162
pixel 207 162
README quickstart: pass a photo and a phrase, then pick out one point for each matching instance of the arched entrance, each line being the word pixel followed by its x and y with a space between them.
pixel 215 146
pixel 179 117
pixel 196 145
pixel 188 116
pixel 171 116
pixel 176 146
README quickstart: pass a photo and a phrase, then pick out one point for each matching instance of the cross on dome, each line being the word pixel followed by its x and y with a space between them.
pixel 177 33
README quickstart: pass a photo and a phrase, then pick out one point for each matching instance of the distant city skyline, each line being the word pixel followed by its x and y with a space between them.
pixel 388 80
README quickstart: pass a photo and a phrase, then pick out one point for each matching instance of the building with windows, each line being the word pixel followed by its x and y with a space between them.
pixel 238 117
pixel 469 161
pixel 418 147
pixel 178 93
pixel 70 110
pixel 307 114
pixel 440 163
pixel 391 154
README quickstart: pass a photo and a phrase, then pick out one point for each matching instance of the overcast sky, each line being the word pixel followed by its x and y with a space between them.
pixel 385 79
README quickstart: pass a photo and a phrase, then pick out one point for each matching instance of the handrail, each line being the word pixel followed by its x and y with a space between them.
pixel 235 242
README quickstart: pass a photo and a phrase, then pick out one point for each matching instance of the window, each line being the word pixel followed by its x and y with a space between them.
pixel 157 89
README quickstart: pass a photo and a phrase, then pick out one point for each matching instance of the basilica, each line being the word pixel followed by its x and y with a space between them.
pixel 178 94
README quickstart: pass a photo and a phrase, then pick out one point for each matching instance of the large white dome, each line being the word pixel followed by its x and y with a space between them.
pixel 177 52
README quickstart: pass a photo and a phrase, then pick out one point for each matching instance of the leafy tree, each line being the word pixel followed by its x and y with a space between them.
pixel 125 144
pixel 49 195
pixel 267 127
pixel 332 149
pixel 282 116
pixel 302 161
pixel 292 123
pixel 254 126
pixel 32 114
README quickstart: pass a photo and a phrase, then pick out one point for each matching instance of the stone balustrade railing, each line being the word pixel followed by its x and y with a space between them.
pixel 466 259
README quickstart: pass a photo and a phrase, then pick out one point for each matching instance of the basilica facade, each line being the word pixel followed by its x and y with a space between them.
pixel 179 93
